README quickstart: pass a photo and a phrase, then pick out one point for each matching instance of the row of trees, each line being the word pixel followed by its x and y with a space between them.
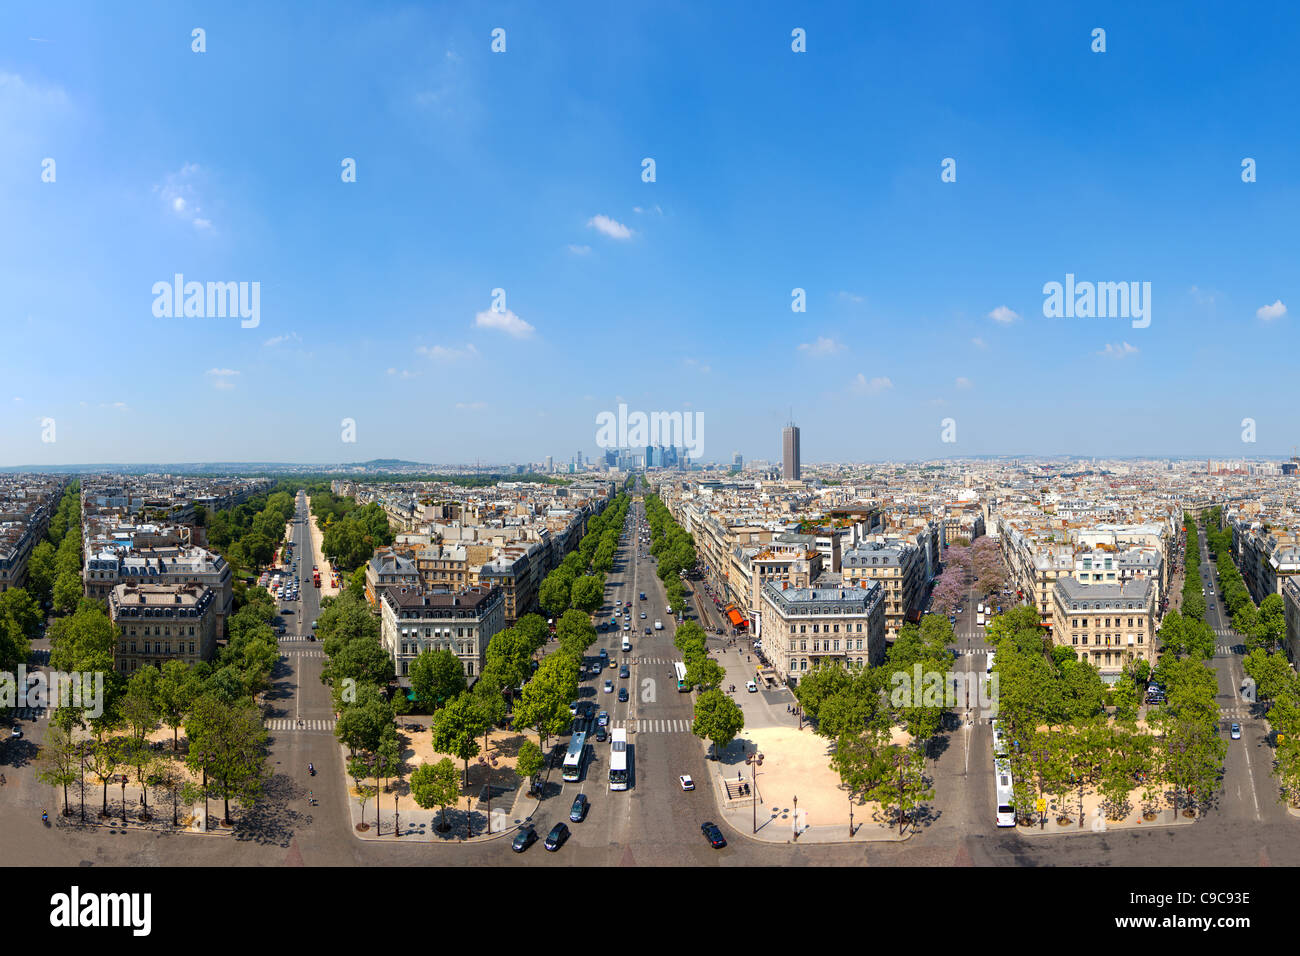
pixel 248 534
pixel 350 534
pixel 579 580
pixel 979 564
pixel 673 550
pixel 1264 625
pixel 54 568
pixel 1193 605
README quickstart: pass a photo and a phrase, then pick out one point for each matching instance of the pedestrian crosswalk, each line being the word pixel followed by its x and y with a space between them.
pixel 1241 713
pixel 644 726
pixel 29 713
pixel 284 655
pixel 294 637
pixel 1224 650
pixel 652 660
pixel 289 723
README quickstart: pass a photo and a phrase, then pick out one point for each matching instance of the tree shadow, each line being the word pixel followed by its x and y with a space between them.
pixel 273 817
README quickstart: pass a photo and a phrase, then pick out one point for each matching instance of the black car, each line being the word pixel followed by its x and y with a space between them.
pixel 525 838
pixel 579 809
pixel 624 672
pixel 602 734
pixel 622 695
pixel 713 835
pixel 559 833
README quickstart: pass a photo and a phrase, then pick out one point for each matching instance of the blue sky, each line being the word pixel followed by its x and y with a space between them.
pixel 522 171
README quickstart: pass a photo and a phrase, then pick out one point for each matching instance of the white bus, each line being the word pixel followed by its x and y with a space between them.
pixel 573 760
pixel 988 667
pixel 999 742
pixel 618 769
pixel 680 670
pixel 1006 813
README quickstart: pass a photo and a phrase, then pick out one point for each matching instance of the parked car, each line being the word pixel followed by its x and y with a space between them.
pixel 555 839
pixel 713 835
pixel 751 687
pixel 525 838
pixel 579 809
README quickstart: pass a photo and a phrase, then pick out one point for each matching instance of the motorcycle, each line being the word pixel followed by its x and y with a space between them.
pixel 311 770
pixel 45 818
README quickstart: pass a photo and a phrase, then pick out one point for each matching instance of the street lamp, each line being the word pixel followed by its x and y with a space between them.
pixel 796 816
pixel 397 817
pixel 755 760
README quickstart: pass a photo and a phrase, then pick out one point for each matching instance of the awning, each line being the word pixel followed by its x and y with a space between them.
pixel 736 619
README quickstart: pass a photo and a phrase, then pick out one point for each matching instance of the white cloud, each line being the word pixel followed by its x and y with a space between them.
pixel 642 211
pixel 118 405
pixel 281 339
pixel 1003 314
pixel 506 322
pixel 822 347
pixel 179 193
pixel 610 227
pixel 851 297
pixel 579 250
pixel 221 377
pixel 865 386
pixel 440 353
pixel 979 343
pixel 697 365
pixel 1270 312
pixel 1118 351
pixel 963 382
pixel 404 373
pixel 471 406
pixel 18 399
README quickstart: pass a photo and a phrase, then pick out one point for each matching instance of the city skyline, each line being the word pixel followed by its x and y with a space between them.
pixel 500 239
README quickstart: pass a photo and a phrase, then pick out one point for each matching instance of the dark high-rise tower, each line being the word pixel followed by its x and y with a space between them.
pixel 790 452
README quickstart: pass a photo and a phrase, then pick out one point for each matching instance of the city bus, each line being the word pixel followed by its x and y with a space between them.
pixel 999 742
pixel 574 758
pixel 680 670
pixel 1006 812
pixel 618 769
pixel 988 667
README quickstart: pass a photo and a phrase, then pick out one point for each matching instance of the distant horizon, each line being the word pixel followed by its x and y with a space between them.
pixel 496 467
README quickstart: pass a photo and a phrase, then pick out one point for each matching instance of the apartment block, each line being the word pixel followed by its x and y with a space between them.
pixel 803 627
pixel 162 622
pixel 1108 625
pixel 414 620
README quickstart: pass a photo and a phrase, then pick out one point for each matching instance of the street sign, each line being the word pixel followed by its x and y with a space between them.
pixel 1042 805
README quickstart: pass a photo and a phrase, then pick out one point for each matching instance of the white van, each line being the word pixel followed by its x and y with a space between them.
pixel 659 625
pixel 627 643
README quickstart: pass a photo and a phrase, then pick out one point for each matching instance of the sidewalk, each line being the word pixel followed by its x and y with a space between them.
pixel 509 809
pixel 318 556
pixel 796 769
